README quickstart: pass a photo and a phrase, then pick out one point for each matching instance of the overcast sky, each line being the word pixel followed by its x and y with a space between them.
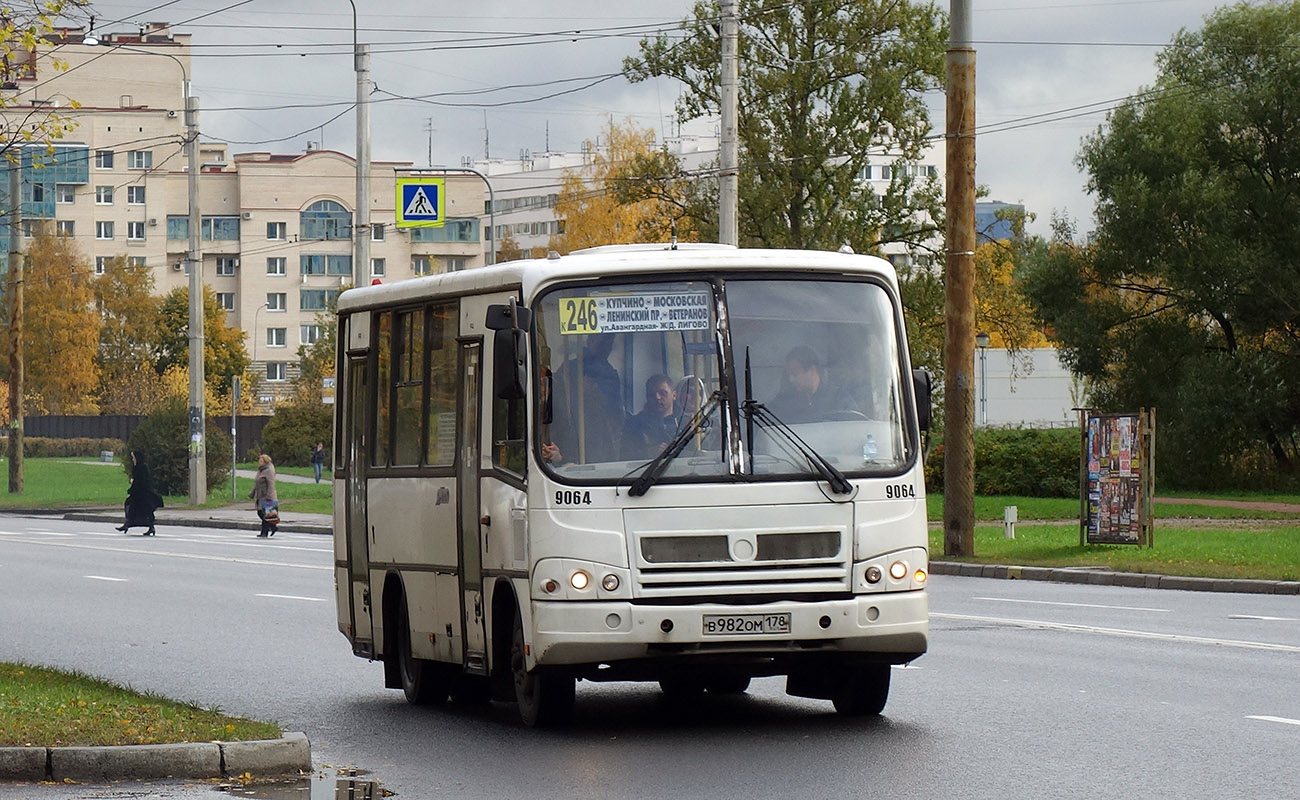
pixel 1046 72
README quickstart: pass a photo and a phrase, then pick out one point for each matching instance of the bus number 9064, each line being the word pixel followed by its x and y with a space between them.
pixel 898 491
pixel 571 498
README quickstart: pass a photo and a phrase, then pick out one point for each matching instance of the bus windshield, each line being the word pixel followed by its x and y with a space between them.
pixel 624 367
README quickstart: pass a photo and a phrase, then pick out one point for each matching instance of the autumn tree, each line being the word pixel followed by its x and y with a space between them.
pixel 1187 298
pixel 129 315
pixel 223 346
pixel 24 26
pixel 596 212
pixel 61 328
pixel 828 87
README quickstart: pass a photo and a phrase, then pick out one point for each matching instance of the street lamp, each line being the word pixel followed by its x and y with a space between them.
pixel 982 342
pixel 194 259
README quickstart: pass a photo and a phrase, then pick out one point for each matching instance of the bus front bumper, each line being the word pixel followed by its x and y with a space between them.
pixel 888 627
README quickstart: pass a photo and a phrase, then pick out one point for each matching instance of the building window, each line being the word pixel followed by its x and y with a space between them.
pixel 275 301
pixel 135 195
pixel 140 159
pixel 422 265
pixel 308 334
pixel 376 233
pixel 104 195
pixel 65 227
pixel 276 231
pixel 30 227
pixel 311 265
pixel 338 265
pixel 103 230
pixel 455 263
pixel 316 299
pixel 275 337
pixel 178 227
pixel 103 159
pixel 135 231
pixel 38 193
pixel 219 229
pixel 378 267
pixel 226 300
pixel 275 266
pixel 226 265
pixel 275 371
pixel 325 219
pixel 65 194
pixel 136 262
pixel 101 264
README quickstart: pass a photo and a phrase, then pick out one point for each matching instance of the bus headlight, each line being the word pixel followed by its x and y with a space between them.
pixel 898 570
pixel 579 580
pixel 919 576
pixel 874 574
pixel 609 583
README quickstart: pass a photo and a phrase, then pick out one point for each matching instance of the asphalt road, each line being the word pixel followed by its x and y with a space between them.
pixel 1030 689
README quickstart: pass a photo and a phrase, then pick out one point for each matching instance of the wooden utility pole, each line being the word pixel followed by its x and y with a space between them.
pixel 959 291
pixel 729 149
pixel 16 411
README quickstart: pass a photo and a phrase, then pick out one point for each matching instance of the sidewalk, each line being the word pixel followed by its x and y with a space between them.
pixel 238 516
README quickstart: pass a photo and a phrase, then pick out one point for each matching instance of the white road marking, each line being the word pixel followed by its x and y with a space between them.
pixel 194 556
pixel 1282 720
pixel 1075 605
pixel 1168 637
pixel 103 578
pixel 1266 619
pixel 294 597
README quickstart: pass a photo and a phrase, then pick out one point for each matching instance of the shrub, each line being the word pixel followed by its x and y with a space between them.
pixel 1026 462
pixel 291 435
pixel 163 438
pixel 83 447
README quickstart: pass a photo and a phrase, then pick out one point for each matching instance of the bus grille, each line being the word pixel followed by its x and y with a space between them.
pixel 748 563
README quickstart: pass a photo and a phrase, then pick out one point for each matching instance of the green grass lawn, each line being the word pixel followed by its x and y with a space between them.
pixel 1235 551
pixel 82 483
pixel 989 508
pixel 42 707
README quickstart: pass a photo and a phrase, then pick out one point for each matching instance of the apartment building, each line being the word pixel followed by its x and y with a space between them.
pixel 276 228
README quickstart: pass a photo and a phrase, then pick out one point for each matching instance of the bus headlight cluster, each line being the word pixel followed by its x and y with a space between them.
pixel 609 583
pixel 898 570
pixel 874 574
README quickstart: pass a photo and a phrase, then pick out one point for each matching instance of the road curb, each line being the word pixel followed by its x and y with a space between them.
pixel 209 522
pixel 261 758
pixel 1099 577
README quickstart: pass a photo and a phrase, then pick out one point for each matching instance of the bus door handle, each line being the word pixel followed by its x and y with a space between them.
pixel 485 520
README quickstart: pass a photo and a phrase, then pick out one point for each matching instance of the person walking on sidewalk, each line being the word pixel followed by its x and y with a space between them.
pixel 141 499
pixel 264 498
pixel 318 459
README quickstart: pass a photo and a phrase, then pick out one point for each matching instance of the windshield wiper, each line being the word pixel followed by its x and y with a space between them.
pixel 757 412
pixel 656 466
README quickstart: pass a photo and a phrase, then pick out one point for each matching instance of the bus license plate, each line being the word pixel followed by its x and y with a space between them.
pixel 727 624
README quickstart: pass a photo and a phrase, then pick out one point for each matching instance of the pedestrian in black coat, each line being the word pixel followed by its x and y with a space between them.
pixel 141 499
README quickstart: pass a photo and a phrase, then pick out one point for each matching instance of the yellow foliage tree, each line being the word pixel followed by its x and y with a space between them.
pixel 1001 310
pixel 597 210
pixel 60 327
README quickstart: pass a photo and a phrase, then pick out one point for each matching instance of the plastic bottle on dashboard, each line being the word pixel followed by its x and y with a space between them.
pixel 869 449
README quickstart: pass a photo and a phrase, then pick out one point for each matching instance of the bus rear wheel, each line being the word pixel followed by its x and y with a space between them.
pixel 545 696
pixel 424 682
pixel 863 690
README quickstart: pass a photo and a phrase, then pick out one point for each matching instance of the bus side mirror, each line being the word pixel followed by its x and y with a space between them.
pixel 509 350
pixel 922 382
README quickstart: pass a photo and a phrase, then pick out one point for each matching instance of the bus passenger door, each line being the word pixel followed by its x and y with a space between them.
pixel 358 529
pixel 467 472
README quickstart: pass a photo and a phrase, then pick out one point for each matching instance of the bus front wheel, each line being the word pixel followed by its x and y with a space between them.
pixel 863 691
pixel 424 682
pixel 545 696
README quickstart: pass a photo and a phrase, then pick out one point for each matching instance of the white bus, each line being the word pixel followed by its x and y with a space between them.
pixel 694 465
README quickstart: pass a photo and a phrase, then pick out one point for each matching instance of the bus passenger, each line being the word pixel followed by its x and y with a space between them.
pixel 806 395
pixel 649 432
pixel 588 411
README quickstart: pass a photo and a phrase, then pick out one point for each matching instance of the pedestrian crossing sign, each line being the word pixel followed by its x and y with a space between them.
pixel 421 202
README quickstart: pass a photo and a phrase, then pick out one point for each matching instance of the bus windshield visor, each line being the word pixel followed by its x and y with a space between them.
pixel 623 368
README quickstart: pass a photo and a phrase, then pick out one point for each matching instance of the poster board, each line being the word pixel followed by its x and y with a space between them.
pixel 1116 477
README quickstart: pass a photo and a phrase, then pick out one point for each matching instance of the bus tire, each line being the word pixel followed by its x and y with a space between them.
pixel 545 696
pixel 863 690
pixel 424 682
